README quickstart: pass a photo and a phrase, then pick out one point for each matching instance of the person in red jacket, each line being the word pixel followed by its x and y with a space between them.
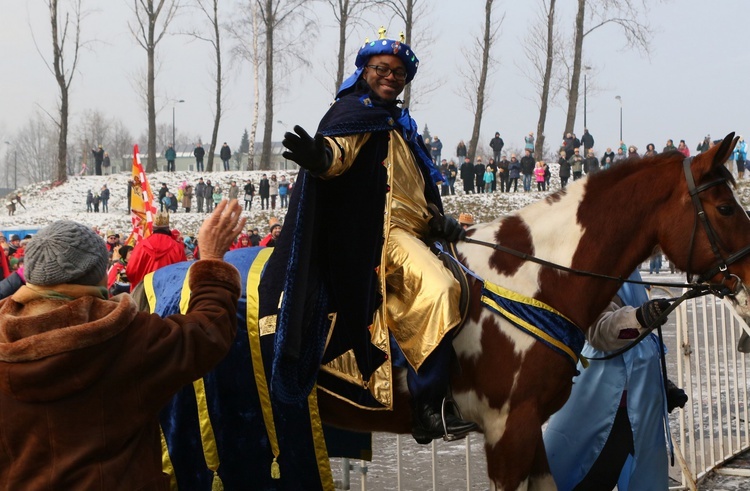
pixel 155 251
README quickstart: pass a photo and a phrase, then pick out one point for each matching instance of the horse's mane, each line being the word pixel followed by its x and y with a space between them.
pixel 631 165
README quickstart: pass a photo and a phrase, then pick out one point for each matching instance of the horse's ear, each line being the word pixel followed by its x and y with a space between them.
pixel 726 147
pixel 715 156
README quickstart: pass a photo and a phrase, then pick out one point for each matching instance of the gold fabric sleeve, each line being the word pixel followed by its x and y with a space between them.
pixel 345 150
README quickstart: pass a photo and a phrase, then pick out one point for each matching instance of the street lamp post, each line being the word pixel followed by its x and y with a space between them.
pixel 620 99
pixel 174 144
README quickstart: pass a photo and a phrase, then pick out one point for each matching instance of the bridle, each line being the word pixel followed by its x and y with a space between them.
pixel 722 263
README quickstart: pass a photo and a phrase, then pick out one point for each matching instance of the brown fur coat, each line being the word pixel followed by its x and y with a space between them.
pixel 82 381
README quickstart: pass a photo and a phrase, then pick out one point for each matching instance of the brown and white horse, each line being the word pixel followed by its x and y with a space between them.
pixel 606 223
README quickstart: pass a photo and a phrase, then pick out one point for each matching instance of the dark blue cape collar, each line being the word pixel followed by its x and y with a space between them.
pixel 360 111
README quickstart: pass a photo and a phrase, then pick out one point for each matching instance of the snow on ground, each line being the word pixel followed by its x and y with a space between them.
pixel 68 201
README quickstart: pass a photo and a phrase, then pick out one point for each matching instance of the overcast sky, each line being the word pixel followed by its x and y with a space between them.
pixel 694 82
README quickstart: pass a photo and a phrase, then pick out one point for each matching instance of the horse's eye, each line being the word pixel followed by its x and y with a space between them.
pixel 726 210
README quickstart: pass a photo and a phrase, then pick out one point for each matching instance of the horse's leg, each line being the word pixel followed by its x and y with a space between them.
pixel 515 451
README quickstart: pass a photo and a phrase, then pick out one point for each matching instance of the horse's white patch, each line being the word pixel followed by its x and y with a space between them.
pixel 544 221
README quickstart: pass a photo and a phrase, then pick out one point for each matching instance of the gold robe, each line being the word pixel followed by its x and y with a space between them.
pixel 420 296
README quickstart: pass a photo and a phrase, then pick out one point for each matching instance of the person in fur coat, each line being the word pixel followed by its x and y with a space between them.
pixel 83 377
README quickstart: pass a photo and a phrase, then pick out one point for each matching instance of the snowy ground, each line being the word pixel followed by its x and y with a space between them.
pixel 69 202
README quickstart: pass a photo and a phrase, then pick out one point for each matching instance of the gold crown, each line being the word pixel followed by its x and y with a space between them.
pixel 161 219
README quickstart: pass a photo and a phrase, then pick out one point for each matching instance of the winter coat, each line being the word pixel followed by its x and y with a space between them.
pixel 154 252
pixel 187 197
pixel 234 192
pixel 90 198
pixel 200 190
pixel 199 152
pixel 467 171
pixel 527 165
pixel 225 153
pixel 564 168
pixel 515 169
pixel 460 151
pixel 576 163
pixel 497 144
pixel 479 173
pixel 539 174
pixel 249 191
pixel 105 194
pixel 170 154
pixel 273 187
pixel 263 188
pixel 587 140
pixel 283 187
pixel 208 191
pixel 82 381
pixel 590 165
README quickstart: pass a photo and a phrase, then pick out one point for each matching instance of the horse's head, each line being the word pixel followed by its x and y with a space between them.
pixel 711 236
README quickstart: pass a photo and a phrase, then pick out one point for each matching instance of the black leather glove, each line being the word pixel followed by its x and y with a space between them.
pixel 647 313
pixel 310 153
pixel 445 226
pixel 676 397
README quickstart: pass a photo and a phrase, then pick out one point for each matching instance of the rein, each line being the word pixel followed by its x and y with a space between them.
pixel 695 289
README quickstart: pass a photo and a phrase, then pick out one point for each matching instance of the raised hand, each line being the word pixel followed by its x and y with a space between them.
pixel 310 153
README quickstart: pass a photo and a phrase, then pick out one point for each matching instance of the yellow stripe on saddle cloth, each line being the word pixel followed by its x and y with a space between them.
pixel 537 319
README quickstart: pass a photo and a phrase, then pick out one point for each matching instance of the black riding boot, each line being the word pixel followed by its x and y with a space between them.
pixel 428 423
pixel 432 415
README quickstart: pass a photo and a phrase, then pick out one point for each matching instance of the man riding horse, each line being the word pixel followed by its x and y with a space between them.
pixel 363 210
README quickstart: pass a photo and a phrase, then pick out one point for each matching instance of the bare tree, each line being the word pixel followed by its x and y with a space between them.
pixel 95 128
pixel 210 10
pixel 36 147
pixel 148 33
pixel 66 45
pixel 279 17
pixel 121 144
pixel 247 26
pixel 539 48
pixel 624 14
pixel 476 81
pixel 347 14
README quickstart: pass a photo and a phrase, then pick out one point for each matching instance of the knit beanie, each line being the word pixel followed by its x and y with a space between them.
pixel 66 252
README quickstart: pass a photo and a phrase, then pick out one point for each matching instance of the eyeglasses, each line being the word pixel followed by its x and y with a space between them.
pixel 384 71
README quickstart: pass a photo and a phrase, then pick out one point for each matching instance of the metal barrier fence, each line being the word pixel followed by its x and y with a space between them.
pixel 714 426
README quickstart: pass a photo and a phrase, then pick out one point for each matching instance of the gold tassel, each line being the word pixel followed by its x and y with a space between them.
pixel 275 471
pixel 217 485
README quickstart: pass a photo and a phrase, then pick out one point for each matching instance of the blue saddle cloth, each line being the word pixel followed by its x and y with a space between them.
pixel 223 428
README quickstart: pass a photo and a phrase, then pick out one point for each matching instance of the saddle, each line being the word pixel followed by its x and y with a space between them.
pixel 446 252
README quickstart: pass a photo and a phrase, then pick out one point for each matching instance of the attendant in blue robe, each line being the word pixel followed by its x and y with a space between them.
pixel 612 430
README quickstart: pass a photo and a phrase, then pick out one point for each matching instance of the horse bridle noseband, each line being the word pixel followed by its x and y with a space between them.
pixel 722 263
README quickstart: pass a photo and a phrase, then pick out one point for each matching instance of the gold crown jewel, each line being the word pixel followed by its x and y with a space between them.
pixel 401 37
pixel 381 32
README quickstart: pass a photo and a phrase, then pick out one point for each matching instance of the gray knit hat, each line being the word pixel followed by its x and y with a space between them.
pixel 65 252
